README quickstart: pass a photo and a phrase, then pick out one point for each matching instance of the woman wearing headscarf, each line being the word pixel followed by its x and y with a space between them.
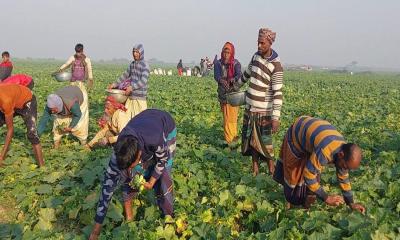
pixel 227 71
pixel 111 124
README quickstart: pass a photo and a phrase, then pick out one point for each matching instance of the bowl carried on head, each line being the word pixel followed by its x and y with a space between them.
pixel 118 95
pixel 236 98
pixel 62 76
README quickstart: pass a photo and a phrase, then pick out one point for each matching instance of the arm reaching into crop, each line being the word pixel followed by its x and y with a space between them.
pixel 344 183
pixel 9 135
pixel 76 115
pixel 46 117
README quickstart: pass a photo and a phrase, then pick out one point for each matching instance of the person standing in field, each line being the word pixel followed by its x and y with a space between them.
pixel 6 66
pixel 180 67
pixel 66 106
pixel 309 145
pixel 135 83
pixel 263 101
pixel 227 71
pixel 146 146
pixel 19 100
pixel 110 124
pixel 81 68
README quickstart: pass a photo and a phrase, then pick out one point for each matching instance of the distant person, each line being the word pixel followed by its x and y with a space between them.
pixel 134 81
pixel 263 101
pixel 203 67
pixel 6 66
pixel 20 79
pixel 81 68
pixel 227 71
pixel 180 67
pixel 111 124
pixel 64 108
pixel 17 100
pixel 309 145
pixel 146 146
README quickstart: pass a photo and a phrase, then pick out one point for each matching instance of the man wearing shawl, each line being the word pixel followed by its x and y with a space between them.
pixel 111 123
pixel 134 82
pixel 227 71
pixel 263 101
pixel 145 146
pixel 64 108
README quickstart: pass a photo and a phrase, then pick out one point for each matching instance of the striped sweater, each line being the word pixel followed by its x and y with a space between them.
pixel 137 75
pixel 321 141
pixel 266 81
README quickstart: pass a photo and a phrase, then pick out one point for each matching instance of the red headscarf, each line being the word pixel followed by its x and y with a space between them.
pixel 111 100
pixel 231 61
pixel 105 118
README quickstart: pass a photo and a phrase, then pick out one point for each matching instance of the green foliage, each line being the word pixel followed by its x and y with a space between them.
pixel 216 197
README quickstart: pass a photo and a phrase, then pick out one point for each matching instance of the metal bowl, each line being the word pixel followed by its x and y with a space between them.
pixel 119 95
pixel 63 76
pixel 236 98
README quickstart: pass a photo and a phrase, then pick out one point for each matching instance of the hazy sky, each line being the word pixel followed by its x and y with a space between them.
pixel 317 32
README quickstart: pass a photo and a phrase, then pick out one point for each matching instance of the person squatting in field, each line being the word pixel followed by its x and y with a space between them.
pixel 263 101
pixel 19 100
pixel 111 124
pixel 135 83
pixel 6 66
pixel 145 146
pixel 64 108
pixel 308 146
pixel 227 71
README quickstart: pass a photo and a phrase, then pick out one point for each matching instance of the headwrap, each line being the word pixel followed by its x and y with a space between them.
pixel 267 34
pixel 231 61
pixel 111 100
pixel 55 101
pixel 106 118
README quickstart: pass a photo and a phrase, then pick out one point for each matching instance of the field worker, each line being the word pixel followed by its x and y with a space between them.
pixel 6 66
pixel 308 146
pixel 145 146
pixel 180 67
pixel 227 71
pixel 134 82
pixel 66 107
pixel 20 79
pixel 263 101
pixel 81 68
pixel 19 100
pixel 111 124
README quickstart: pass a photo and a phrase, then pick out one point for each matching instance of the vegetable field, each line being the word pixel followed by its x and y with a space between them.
pixel 216 197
